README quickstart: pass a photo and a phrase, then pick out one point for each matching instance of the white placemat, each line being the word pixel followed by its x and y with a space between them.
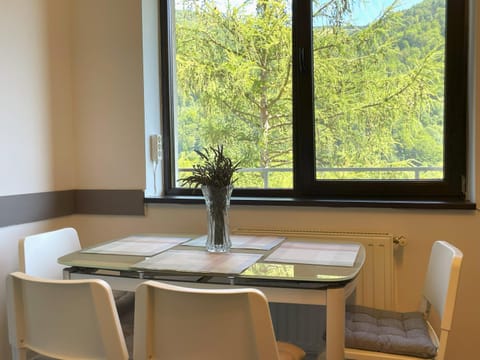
pixel 138 245
pixel 333 254
pixel 244 241
pixel 198 261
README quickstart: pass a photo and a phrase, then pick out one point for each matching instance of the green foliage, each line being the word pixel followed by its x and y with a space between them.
pixel 217 170
pixel 383 99
pixel 240 77
pixel 378 88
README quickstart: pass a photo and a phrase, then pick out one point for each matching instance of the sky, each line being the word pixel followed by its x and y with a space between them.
pixel 368 10
pixel 363 12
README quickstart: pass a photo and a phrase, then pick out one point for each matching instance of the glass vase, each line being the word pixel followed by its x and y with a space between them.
pixel 217 201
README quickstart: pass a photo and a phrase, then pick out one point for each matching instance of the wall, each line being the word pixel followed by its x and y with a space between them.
pixel 36 126
pixel 108 150
pixel 35 97
pixel 108 93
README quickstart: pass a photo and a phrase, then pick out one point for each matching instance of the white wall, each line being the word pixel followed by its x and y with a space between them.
pixel 108 94
pixel 36 133
pixel 108 142
pixel 36 150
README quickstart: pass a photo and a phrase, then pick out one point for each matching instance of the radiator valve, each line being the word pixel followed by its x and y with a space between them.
pixel 400 240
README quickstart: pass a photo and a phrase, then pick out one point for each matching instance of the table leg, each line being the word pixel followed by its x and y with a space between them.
pixel 66 274
pixel 335 327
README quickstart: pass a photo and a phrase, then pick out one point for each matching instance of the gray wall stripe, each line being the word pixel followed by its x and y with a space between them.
pixel 25 208
pixel 109 202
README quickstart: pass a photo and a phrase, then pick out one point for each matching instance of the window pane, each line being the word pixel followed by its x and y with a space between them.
pixel 379 89
pixel 233 76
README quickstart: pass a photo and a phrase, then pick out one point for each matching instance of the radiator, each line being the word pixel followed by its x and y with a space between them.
pixel 305 324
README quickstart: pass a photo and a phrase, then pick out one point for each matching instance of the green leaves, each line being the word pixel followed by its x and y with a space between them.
pixel 216 170
pixel 234 68
pixel 378 87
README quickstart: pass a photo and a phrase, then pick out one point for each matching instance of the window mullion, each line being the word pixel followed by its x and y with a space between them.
pixel 303 118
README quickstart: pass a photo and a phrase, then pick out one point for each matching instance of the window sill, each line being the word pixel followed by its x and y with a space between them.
pixel 312 202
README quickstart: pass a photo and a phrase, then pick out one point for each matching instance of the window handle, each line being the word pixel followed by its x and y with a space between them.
pixel 301 60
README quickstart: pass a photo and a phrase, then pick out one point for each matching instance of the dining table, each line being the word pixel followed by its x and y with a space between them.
pixel 286 269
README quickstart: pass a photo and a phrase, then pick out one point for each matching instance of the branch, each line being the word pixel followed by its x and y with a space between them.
pixel 390 97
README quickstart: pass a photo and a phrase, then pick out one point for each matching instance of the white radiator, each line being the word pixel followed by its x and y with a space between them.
pixel 376 286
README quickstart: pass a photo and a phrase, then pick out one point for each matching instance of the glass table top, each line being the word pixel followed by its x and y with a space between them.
pixel 262 272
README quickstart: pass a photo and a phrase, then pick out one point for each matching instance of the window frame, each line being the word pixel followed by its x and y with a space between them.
pixel 307 190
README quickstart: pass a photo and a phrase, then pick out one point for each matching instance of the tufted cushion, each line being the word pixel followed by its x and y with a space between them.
pixel 124 301
pixel 289 351
pixel 388 332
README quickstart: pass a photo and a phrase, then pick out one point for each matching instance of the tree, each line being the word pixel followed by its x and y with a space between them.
pixel 378 88
pixel 371 110
pixel 240 73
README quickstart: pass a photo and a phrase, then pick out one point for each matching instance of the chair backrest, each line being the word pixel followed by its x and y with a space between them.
pixel 38 253
pixel 63 319
pixel 173 322
pixel 441 283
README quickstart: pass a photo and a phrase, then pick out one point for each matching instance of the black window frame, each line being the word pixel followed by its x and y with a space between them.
pixel 307 190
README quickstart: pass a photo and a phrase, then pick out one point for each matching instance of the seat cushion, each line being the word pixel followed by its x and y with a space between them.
pixel 289 351
pixel 388 332
pixel 124 301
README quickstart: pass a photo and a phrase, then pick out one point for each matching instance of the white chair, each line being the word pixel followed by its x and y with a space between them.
pixel 179 323
pixel 377 334
pixel 63 319
pixel 38 254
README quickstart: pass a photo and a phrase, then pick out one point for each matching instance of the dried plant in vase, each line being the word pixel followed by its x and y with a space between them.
pixel 215 176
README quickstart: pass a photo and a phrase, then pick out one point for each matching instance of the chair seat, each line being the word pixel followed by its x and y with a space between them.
pixel 388 332
pixel 125 304
pixel 124 301
pixel 289 351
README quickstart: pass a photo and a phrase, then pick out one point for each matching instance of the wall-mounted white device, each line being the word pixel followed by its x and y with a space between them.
pixel 155 147
pixel 155 156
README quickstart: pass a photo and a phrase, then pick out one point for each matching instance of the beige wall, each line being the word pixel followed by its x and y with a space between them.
pixel 36 136
pixel 108 94
pixel 71 116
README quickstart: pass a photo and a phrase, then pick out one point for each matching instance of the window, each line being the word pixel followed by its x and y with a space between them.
pixel 326 99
